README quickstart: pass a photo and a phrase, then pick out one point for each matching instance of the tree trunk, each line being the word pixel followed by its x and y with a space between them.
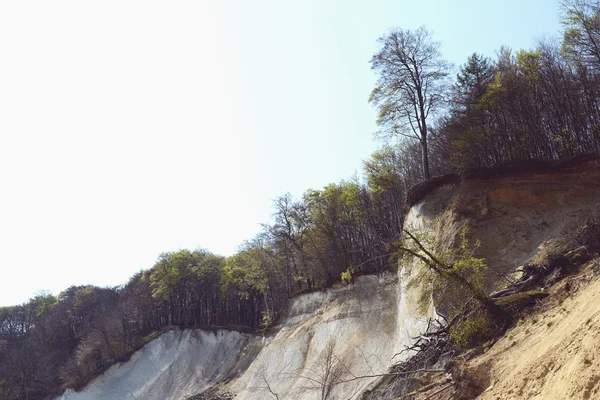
pixel 486 301
pixel 425 157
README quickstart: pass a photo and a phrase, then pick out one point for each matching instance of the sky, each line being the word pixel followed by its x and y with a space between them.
pixel 132 128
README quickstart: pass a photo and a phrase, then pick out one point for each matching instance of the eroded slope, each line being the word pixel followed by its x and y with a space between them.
pixel 519 215
pixel 554 354
pixel 339 334
pixel 175 365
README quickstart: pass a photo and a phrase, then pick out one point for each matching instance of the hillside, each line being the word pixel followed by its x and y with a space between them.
pixel 359 324
pixel 553 353
pixel 336 343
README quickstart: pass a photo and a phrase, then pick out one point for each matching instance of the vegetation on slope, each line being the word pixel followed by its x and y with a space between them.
pixel 526 105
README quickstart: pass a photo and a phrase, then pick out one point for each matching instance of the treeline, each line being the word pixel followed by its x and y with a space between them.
pixel 529 104
pixel 536 104
pixel 53 342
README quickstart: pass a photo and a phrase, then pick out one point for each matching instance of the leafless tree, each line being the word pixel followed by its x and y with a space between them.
pixel 581 19
pixel 411 86
pixel 261 373
pixel 325 373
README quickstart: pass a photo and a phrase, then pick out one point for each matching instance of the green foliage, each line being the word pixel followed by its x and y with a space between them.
pixel 581 37
pixel 347 277
pixel 42 303
pixel 182 272
pixel 472 83
pixel 473 331
pixel 4 388
pixel 492 96
pixel 461 259
pixel 465 262
pixel 529 64
pixel 300 279
pixel 452 272
pixel 266 320
pixel 166 276
pixel 243 274
pixel 382 170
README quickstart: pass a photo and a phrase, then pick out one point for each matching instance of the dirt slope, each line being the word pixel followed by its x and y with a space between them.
pixel 554 354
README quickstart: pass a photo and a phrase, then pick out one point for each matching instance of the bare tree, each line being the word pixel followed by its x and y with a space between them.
pixel 325 373
pixel 332 370
pixel 581 19
pixel 411 85
pixel 261 373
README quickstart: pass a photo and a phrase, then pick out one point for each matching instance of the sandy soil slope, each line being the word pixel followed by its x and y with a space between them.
pixel 551 355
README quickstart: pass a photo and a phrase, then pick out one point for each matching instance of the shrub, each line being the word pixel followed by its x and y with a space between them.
pixel 473 331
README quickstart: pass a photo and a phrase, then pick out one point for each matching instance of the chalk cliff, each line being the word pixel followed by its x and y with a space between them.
pixel 519 214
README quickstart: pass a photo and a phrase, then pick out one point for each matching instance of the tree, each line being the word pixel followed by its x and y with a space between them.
pixel 325 373
pixel 457 267
pixel 472 82
pixel 383 171
pixel 468 136
pixel 411 86
pixel 581 19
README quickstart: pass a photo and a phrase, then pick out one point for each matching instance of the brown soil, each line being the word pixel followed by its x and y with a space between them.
pixel 518 218
pixel 551 354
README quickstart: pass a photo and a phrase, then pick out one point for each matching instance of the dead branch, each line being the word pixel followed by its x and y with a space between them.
pixel 407 373
pixel 440 391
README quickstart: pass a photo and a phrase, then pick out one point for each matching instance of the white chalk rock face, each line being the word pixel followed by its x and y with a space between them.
pixel 329 342
pixel 326 342
pixel 173 366
pixel 332 338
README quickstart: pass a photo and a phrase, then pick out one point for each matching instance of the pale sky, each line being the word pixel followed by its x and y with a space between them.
pixel 130 128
